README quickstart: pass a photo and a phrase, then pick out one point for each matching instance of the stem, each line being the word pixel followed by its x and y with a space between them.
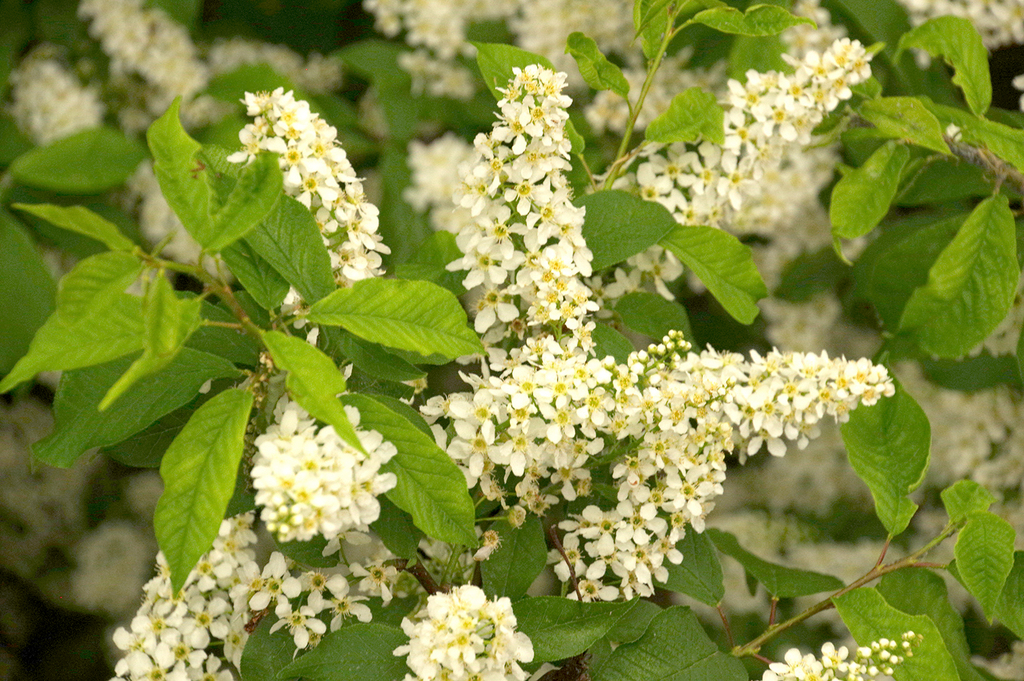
pixel 620 157
pixel 774 611
pixel 223 325
pixel 997 168
pixel 874 573
pixel 553 535
pixel 422 576
pixel 725 623
pixel 885 549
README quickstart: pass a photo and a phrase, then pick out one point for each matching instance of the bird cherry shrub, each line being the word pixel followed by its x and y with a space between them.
pixel 485 427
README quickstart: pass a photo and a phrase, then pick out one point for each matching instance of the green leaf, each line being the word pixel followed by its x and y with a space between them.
pixel 496 62
pixel 965 497
pixel 970 286
pixel 861 198
pixel 609 342
pixel 652 315
pixel 95 321
pixel 699 576
pixel 869 617
pixel 521 556
pixel 430 487
pixel 674 648
pixel 756 21
pixel 761 53
pixel 145 449
pixel 430 261
pixel 168 321
pixel 1005 142
pixel 199 472
pixel 231 86
pixel 231 344
pixel 779 581
pixel 1010 608
pixel 619 225
pixel 265 653
pixel 984 557
pixel 905 118
pixel 290 241
pixel 27 291
pixel 723 264
pixel 650 19
pixel 634 623
pixel 80 426
pixel 218 205
pixel 308 552
pixel 358 652
pixel 692 115
pixel 396 529
pixel 408 315
pixel 185 12
pixel 370 357
pixel 81 220
pixel 313 381
pixel 595 68
pixel 940 180
pixel 560 628
pixel 88 162
pixel 889 447
pixel 917 591
pixel 959 43
pixel 264 284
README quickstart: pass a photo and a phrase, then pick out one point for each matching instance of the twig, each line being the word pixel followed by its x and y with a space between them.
pixel 1000 170
pixel 885 549
pixel 553 535
pixel 725 623
pixel 774 611
pixel 422 576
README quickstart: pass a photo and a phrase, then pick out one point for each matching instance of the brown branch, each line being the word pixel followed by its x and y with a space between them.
pixel 553 535
pixel 997 168
pixel 422 576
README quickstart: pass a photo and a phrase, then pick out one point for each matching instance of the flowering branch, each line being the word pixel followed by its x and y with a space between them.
pixel 750 649
pixel 422 576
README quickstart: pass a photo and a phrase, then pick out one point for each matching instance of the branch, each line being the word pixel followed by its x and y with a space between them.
pixel 997 168
pixel 422 576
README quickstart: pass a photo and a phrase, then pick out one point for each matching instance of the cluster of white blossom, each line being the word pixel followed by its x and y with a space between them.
pixel 770 112
pixel 171 634
pixel 1000 22
pixel 152 60
pixel 437 170
pixel 1018 83
pixel 315 73
pixel 816 37
pixel 878 659
pixel 311 482
pixel 524 246
pixel 463 636
pixel 48 101
pixel 318 173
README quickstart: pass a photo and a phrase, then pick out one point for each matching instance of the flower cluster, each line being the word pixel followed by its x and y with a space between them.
pixel 880 658
pixel 525 246
pixel 311 482
pixel 1000 22
pixel 48 101
pixel 317 172
pixel 437 169
pixel 707 184
pixel 465 636
pixel 170 635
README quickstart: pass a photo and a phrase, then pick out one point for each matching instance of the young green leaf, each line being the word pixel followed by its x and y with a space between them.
pixel 290 241
pixel 313 381
pixel 430 487
pixel 199 472
pixel 869 617
pixel 699 576
pixel 693 114
pixel 27 290
pixel 95 320
pixel 650 19
pixel 408 315
pixel 970 286
pixel 80 426
pixel 610 343
pixel 619 225
pixel 965 497
pixel 396 529
pixel 595 68
pixel 861 198
pixel 359 652
pixel 88 162
pixel 1005 142
pixel 959 43
pixel 264 284
pixel 674 647
pixel 779 581
pixel 652 315
pixel 918 591
pixel 430 262
pixel 369 357
pixel 168 321
pixel 81 220
pixel 215 207
pixel 905 118
pixel 984 557
pixel 1010 608
pixel 265 654
pixel 560 628
pixel 757 20
pixel 519 558
pixel 889 445
pixel 723 264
